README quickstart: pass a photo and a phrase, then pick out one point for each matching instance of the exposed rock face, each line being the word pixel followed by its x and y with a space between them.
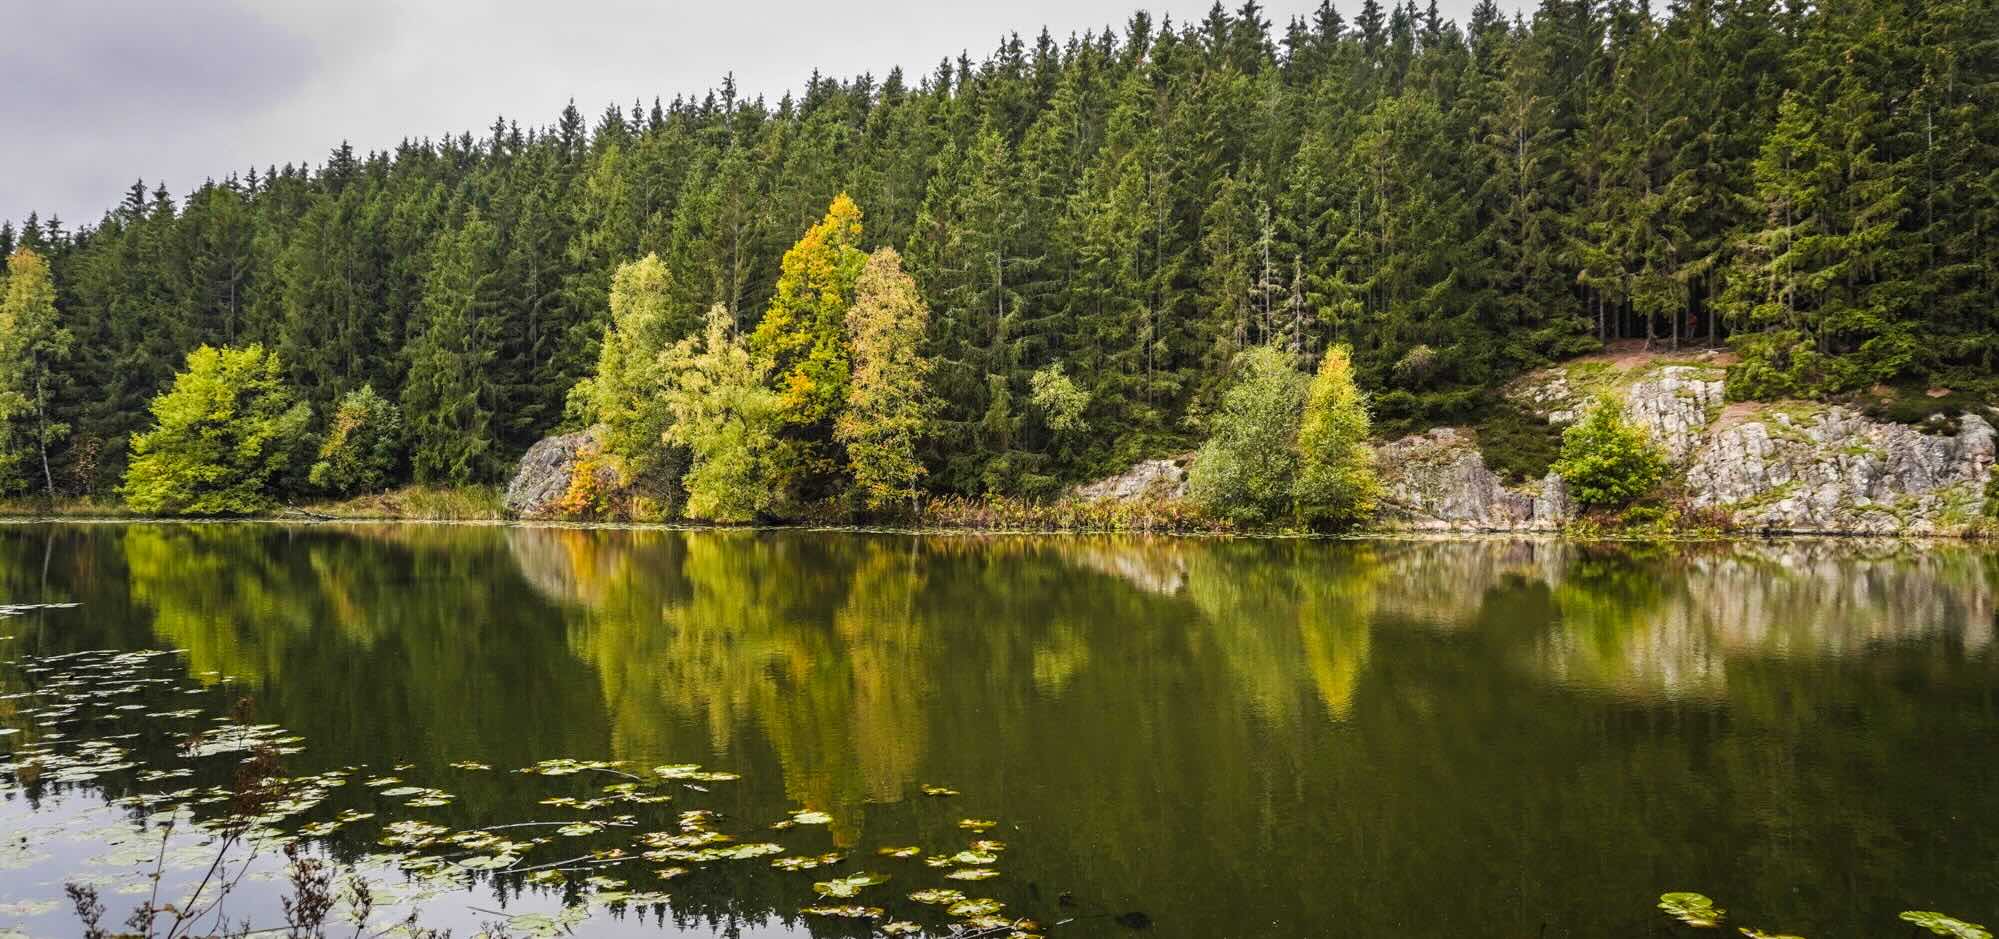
pixel 544 473
pixel 1675 403
pixel 1832 469
pixel 1438 481
pixel 1148 479
pixel 1772 467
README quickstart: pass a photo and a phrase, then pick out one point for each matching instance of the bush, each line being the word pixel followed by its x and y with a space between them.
pixel 222 437
pixel 1606 459
pixel 361 446
pixel 1244 472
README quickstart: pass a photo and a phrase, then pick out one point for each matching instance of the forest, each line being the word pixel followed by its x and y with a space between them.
pixel 1077 252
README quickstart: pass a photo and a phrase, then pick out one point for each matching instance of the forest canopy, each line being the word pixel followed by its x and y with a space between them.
pixel 1097 230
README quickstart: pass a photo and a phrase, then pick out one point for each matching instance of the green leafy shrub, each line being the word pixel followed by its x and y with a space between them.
pixel 223 437
pixel 361 446
pixel 1606 459
pixel 1244 472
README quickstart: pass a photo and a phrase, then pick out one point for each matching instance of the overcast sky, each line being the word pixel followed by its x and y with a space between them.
pixel 99 92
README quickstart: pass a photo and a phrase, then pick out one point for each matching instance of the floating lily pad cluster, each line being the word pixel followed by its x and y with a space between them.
pixel 91 718
pixel 1697 911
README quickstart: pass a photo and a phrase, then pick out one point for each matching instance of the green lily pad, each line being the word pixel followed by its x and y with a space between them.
pixel 939 792
pixel 810 817
pixel 972 873
pixel 846 887
pixel 900 927
pixel 808 862
pixel 903 852
pixel 976 824
pixel 1692 909
pixel 983 907
pixel 1943 925
pixel 937 897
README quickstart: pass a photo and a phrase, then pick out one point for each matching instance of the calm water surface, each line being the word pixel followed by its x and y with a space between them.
pixel 1235 738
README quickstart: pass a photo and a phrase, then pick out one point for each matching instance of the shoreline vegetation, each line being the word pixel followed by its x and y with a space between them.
pixel 483 505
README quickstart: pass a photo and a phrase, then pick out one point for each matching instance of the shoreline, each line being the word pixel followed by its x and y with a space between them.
pixel 1371 534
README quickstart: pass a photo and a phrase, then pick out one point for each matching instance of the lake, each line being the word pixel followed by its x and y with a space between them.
pixel 1171 737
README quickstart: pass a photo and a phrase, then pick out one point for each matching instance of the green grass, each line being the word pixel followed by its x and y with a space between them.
pixel 425 503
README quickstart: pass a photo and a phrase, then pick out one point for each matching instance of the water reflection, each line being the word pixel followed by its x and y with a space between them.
pixel 1260 738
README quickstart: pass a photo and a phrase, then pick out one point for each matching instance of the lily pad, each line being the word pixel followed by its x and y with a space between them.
pixel 1692 909
pixel 903 852
pixel 808 862
pixel 982 907
pixel 900 927
pixel 845 912
pixel 976 824
pixel 811 817
pixel 937 896
pixel 939 792
pixel 972 873
pixel 1943 925
pixel 846 887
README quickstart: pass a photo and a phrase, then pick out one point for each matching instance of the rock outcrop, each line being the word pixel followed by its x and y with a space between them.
pixel 1830 469
pixel 545 470
pixel 1438 481
pixel 1676 403
pixel 1784 467
pixel 1147 479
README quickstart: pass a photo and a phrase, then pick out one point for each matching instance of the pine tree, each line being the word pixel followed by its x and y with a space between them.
pixel 447 403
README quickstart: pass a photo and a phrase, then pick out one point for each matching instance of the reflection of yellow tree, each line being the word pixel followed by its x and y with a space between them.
pixel 1286 615
pixel 882 640
pixel 751 630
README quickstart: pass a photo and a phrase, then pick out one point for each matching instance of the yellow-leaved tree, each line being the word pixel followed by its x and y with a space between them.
pixel 721 411
pixel 886 411
pixel 802 343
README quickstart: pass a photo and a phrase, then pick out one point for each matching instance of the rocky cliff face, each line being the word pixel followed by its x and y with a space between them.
pixel 1147 479
pixel 1766 467
pixel 543 475
pixel 1438 481
pixel 1831 469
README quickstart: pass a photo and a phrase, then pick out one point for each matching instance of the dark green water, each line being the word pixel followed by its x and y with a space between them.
pixel 1237 738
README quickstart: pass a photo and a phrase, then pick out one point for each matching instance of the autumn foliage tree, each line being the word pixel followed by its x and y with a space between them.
pixel 802 341
pixel 34 346
pixel 723 413
pixel 887 404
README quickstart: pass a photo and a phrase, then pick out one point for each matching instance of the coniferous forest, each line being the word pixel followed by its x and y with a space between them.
pixel 1088 235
